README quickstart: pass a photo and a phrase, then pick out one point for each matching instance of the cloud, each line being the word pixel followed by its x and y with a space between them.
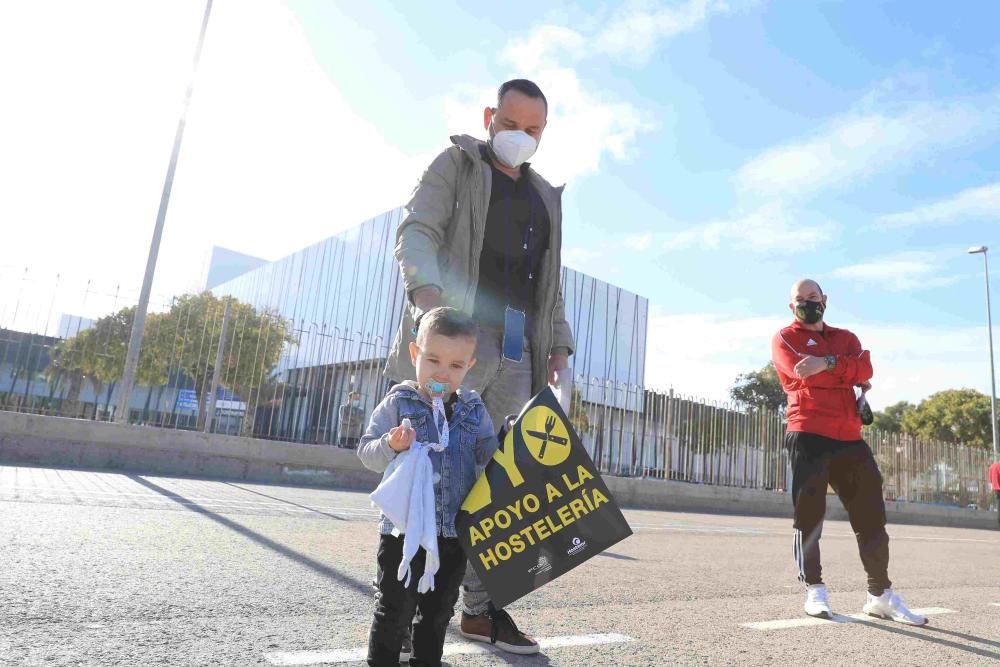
pixel 583 126
pixel 899 272
pixel 859 144
pixel 597 262
pixel 700 354
pixel 581 259
pixel 636 32
pixel 632 33
pixel 545 45
pixel 973 204
pixel 638 242
pixel 273 158
pixel 770 228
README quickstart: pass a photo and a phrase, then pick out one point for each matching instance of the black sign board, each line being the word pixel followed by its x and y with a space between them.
pixel 540 509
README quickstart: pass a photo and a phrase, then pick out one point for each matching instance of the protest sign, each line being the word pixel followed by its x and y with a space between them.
pixel 540 508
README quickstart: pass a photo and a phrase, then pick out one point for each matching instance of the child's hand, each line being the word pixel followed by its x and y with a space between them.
pixel 402 437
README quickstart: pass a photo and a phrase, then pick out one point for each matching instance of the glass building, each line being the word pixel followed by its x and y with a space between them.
pixel 344 298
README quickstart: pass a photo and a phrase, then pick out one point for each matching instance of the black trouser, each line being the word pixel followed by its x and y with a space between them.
pixel 997 494
pixel 850 469
pixel 396 604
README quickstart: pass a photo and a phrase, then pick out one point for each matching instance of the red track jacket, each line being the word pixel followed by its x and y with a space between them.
pixel 824 403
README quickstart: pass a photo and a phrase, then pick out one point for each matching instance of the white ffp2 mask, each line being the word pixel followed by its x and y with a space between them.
pixel 513 147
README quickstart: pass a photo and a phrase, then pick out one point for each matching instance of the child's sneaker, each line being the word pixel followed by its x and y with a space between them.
pixel 406 650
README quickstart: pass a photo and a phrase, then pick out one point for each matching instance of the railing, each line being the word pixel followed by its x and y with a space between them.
pixel 273 399
pixel 637 432
pixel 627 429
pixel 290 377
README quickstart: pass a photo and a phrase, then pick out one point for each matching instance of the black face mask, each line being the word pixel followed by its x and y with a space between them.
pixel 809 312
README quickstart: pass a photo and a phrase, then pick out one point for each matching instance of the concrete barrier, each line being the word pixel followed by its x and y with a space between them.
pixel 76 443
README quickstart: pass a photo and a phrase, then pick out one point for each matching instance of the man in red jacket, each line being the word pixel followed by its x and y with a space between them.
pixel 995 483
pixel 819 367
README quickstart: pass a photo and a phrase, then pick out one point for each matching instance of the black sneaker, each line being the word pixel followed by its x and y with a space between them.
pixel 406 650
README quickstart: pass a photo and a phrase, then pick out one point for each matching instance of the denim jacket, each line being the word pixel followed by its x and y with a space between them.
pixel 472 442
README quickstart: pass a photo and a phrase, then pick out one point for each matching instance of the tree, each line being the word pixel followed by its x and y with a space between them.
pixel 954 415
pixel 185 340
pixel 24 354
pixel 253 347
pixel 760 389
pixel 891 419
pixel 98 354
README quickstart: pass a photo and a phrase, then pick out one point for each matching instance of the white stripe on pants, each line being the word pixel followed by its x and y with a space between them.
pixel 799 555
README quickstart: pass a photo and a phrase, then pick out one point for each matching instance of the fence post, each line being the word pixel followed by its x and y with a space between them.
pixel 210 417
pixel 668 446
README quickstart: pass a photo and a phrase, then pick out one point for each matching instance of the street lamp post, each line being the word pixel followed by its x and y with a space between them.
pixel 983 250
pixel 139 322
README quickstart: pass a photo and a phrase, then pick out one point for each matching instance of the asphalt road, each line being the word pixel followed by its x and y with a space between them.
pixel 119 569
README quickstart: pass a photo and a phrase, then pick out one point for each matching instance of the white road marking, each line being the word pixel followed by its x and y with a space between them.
pixel 318 657
pixel 807 621
pixel 451 648
pixel 995 604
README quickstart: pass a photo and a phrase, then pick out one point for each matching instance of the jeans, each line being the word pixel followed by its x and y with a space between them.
pixel 395 604
pixel 850 469
pixel 506 387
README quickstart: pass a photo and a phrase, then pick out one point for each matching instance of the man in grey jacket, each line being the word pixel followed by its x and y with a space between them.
pixel 483 233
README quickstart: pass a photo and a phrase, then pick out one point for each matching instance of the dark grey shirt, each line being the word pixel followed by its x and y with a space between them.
pixel 517 236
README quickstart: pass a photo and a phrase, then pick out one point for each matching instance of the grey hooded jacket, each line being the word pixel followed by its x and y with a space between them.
pixel 441 239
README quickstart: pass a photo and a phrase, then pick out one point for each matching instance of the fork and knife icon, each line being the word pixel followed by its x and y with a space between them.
pixel 546 437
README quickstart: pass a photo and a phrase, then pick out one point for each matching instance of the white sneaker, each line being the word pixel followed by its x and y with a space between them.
pixel 817 602
pixel 891 607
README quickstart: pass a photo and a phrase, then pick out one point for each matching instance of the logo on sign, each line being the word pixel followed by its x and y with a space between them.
pixel 545 436
pixel 543 566
pixel 578 546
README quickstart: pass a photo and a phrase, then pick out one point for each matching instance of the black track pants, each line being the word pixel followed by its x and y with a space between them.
pixel 850 469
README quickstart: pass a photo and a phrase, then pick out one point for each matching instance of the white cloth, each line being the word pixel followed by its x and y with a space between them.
pixel 406 497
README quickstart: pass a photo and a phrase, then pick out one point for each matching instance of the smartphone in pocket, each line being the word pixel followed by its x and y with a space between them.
pixel 513 334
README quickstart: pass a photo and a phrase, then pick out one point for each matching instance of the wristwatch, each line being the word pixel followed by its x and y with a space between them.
pixel 831 362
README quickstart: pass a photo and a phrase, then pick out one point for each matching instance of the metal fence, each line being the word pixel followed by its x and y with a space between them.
pixel 251 371
pixel 687 439
pixel 292 379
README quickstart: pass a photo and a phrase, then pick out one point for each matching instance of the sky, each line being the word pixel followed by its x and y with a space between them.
pixel 713 153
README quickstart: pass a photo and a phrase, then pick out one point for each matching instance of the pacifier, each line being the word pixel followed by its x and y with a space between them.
pixel 437 389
